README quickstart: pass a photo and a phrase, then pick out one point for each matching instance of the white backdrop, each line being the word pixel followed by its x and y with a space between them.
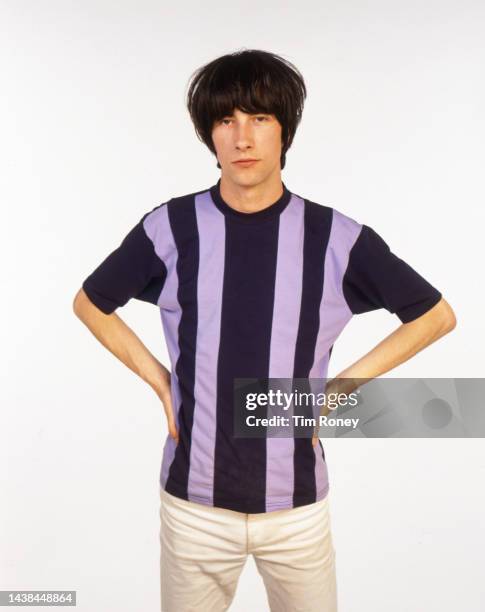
pixel 94 133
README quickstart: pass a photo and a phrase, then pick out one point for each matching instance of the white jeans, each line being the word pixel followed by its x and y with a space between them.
pixel 204 549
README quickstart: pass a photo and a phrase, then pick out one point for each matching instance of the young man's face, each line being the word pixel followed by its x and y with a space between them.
pixel 243 136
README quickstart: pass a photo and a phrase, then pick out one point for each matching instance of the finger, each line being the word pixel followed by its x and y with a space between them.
pixel 171 425
pixel 173 430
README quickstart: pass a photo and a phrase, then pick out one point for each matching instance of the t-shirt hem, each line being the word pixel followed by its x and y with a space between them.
pixel 104 305
pixel 249 508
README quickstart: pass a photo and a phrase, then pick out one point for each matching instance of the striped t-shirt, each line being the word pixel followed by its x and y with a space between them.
pixel 250 295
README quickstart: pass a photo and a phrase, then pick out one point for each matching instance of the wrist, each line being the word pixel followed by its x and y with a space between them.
pixel 159 380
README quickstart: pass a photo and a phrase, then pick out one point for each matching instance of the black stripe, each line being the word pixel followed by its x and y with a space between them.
pixel 183 222
pixel 244 352
pixel 318 221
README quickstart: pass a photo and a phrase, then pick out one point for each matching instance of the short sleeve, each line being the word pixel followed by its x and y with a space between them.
pixel 377 278
pixel 132 270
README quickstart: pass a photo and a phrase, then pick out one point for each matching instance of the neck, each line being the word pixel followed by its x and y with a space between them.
pixel 254 197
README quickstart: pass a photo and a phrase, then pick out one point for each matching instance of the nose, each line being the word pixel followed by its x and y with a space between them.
pixel 243 136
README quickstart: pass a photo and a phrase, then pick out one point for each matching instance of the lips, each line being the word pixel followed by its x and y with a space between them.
pixel 245 162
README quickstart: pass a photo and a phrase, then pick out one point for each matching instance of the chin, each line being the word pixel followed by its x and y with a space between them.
pixel 246 178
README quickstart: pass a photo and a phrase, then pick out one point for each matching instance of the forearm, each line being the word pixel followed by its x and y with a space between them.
pixel 402 344
pixel 115 335
pixel 399 346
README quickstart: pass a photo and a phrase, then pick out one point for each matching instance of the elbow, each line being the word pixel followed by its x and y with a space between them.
pixel 78 303
pixel 447 315
pixel 440 319
pixel 450 322
pixel 75 304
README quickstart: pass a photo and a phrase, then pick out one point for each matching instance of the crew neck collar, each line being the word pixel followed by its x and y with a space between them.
pixel 273 210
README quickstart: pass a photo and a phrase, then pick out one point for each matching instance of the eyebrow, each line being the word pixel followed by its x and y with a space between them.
pixel 250 114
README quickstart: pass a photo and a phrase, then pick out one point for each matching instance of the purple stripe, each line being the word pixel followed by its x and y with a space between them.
pixel 211 230
pixel 334 313
pixel 321 473
pixel 158 229
pixel 286 316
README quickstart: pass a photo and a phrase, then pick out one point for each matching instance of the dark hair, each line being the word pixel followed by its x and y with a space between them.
pixel 253 81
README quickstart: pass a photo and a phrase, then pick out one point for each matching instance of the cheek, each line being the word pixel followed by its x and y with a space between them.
pixel 276 143
pixel 276 135
pixel 219 142
pixel 215 139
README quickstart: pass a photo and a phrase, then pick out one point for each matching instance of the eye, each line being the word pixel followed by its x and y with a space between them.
pixel 263 117
pixel 223 121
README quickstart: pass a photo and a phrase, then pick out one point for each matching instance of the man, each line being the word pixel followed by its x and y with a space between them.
pixel 252 281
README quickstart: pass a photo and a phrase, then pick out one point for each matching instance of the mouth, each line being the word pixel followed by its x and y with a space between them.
pixel 245 162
